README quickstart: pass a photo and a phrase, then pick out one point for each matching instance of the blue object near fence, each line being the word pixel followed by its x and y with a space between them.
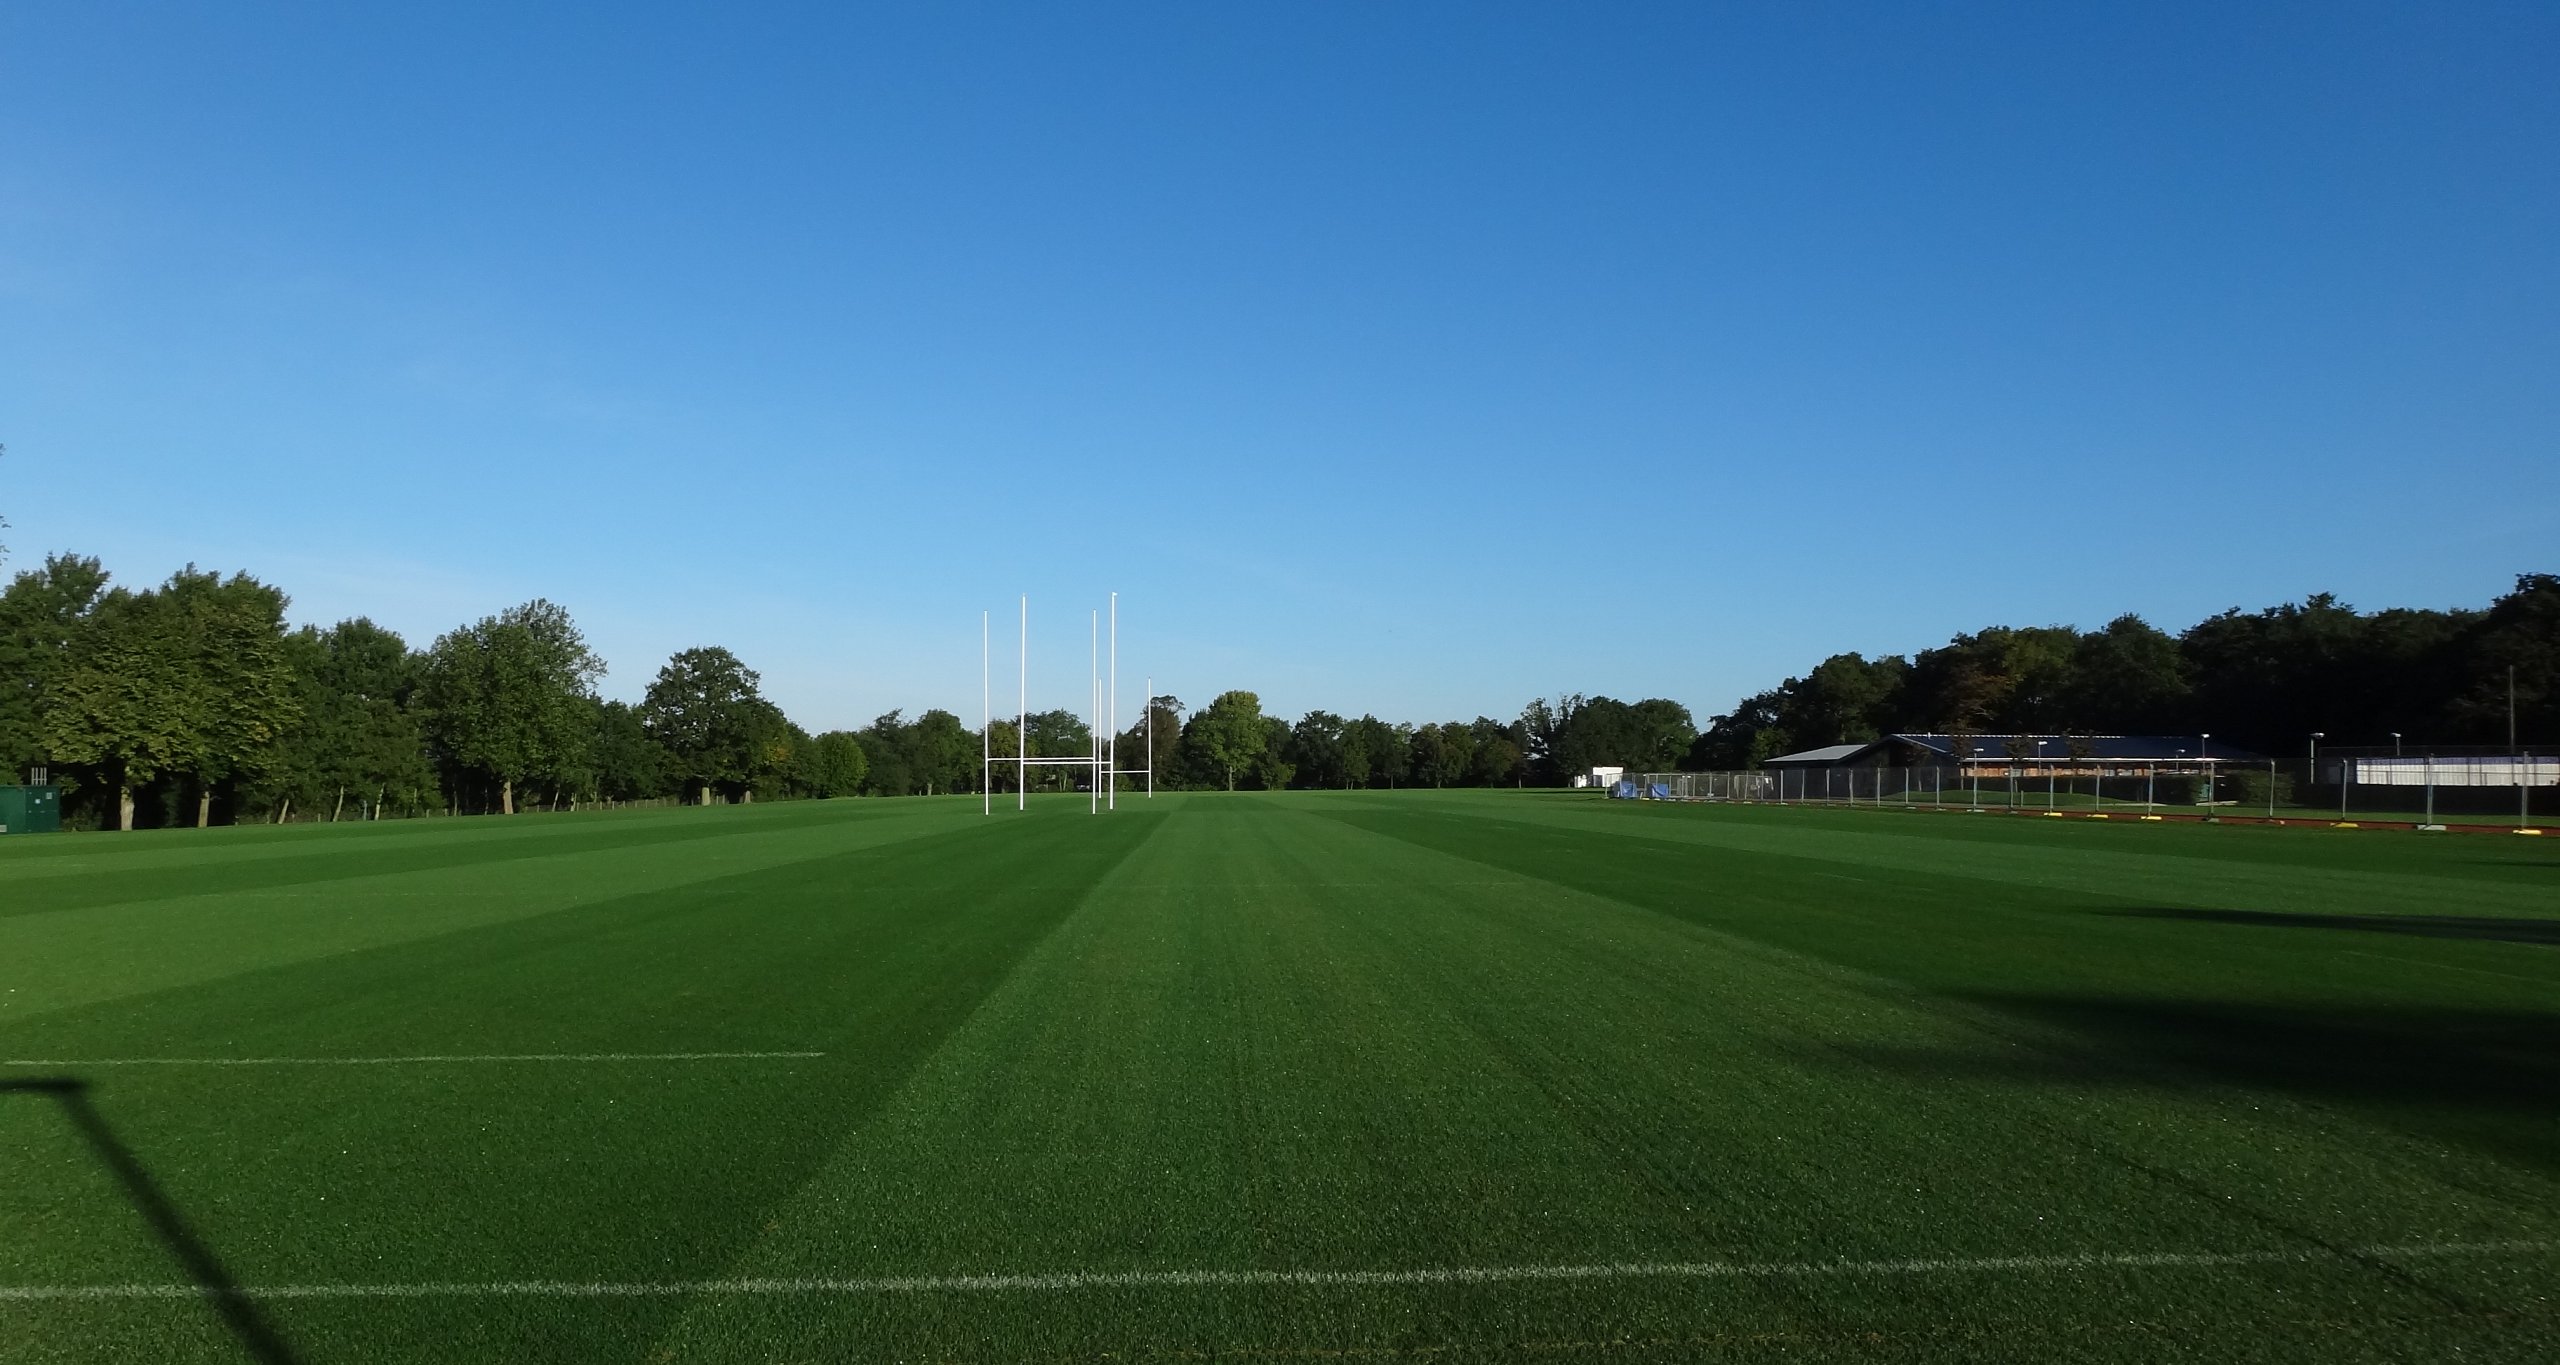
pixel 1622 791
pixel 1659 791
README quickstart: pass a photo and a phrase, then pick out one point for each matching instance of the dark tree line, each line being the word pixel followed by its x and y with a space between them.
pixel 2265 680
pixel 193 702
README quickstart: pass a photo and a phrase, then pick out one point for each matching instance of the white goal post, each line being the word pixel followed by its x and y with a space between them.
pixel 1102 698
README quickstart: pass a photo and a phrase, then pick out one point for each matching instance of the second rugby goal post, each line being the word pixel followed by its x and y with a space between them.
pixel 1102 726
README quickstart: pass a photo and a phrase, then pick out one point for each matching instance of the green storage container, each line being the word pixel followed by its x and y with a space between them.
pixel 30 810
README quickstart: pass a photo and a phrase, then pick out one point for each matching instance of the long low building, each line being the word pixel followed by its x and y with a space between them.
pixel 2116 754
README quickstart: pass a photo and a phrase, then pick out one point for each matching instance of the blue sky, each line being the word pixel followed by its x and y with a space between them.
pixel 1393 357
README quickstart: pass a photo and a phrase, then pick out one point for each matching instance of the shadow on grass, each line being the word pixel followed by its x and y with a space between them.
pixel 2493 927
pixel 248 1326
pixel 2485 1077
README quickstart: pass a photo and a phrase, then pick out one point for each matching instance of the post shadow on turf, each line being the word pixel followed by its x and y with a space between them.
pixel 2487 1077
pixel 248 1326
pixel 2492 927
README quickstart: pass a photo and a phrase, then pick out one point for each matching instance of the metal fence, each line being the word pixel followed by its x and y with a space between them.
pixel 2419 787
pixel 2054 786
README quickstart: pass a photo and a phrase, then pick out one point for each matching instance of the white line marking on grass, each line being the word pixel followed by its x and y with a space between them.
pixel 430 1058
pixel 1257 1279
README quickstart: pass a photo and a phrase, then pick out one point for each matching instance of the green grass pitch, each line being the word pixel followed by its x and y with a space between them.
pixel 1442 1077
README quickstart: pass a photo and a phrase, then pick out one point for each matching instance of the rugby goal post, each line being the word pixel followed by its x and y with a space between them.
pixel 1102 726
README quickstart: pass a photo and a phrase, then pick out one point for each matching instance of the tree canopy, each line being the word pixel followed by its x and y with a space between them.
pixel 192 702
pixel 512 698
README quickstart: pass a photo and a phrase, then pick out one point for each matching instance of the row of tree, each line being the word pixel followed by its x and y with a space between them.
pixel 194 701
pixel 2266 680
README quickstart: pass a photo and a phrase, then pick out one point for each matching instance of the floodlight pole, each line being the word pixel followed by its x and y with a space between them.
pixel 2204 754
pixel 2516 756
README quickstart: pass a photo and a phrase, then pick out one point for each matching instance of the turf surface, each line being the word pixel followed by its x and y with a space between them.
pixel 1468 1076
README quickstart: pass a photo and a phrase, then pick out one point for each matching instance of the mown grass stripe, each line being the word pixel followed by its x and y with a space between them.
pixel 1275 1279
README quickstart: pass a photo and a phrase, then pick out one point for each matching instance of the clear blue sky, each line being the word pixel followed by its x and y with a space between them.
pixel 1416 359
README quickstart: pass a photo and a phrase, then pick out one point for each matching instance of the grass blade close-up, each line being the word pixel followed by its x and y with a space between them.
pixel 1448 1076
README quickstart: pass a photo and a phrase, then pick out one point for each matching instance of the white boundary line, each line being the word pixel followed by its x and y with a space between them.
pixel 398 1061
pixel 1256 1279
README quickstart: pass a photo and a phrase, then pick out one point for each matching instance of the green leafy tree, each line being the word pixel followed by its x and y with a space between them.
pixel 1574 734
pixel 945 752
pixel 2128 677
pixel 1315 748
pixel 512 697
pixel 1846 699
pixel 778 758
pixel 1272 770
pixel 717 729
pixel 1382 752
pixel 629 762
pixel 193 679
pixel 884 755
pixel 2518 639
pixel 357 739
pixel 1003 743
pixel 116 704
pixel 1057 734
pixel 836 764
pixel 1228 734
pixel 1139 751
pixel 1742 738
pixel 1501 753
pixel 236 688
pixel 1430 755
pixel 44 615
pixel 1352 752
pixel 935 752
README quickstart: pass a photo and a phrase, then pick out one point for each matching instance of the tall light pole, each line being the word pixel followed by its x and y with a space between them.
pixel 2395 744
pixel 2523 768
pixel 2204 753
pixel 2312 778
pixel 2048 775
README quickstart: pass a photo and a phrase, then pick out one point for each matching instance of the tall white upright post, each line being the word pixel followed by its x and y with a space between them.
pixel 1094 700
pixel 1022 717
pixel 1111 749
pixel 986 716
pixel 1151 739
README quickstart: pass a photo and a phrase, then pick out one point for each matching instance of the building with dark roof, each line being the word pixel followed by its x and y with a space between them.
pixel 2116 754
